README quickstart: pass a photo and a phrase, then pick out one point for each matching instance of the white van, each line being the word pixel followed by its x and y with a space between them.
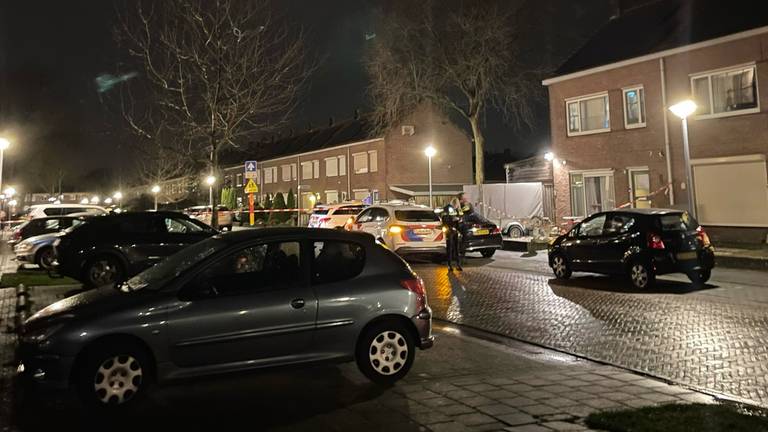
pixel 44 210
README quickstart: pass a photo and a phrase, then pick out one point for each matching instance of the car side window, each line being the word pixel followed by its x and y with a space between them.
pixel 262 267
pixel 592 227
pixel 52 211
pixel 335 261
pixel 574 232
pixel 139 225
pixel 52 224
pixel 618 224
pixel 365 216
pixel 180 226
pixel 379 215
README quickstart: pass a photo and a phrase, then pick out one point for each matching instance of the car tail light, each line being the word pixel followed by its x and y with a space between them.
pixel 416 286
pixel 703 236
pixel 395 229
pixel 439 236
pixel 17 235
pixel 496 230
pixel 655 241
pixel 323 221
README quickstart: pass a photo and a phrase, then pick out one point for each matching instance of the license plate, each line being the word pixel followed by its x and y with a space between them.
pixel 482 232
pixel 423 231
pixel 682 256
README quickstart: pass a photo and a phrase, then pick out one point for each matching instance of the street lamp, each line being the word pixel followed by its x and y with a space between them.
pixel 683 110
pixel 10 191
pixel 430 152
pixel 155 190
pixel 11 206
pixel 95 199
pixel 118 196
pixel 84 201
pixel 210 180
pixel 549 156
pixel 4 144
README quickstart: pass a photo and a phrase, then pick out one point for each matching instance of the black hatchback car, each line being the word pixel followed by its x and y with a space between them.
pixel 639 243
pixel 108 249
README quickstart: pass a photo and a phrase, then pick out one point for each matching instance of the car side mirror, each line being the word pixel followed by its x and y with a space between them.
pixel 573 233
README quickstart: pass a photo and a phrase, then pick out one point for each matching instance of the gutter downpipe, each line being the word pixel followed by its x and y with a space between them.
pixel 662 71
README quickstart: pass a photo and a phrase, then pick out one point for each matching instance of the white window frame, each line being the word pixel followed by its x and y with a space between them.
pixel 708 75
pixel 578 101
pixel 342 165
pixel 373 160
pixel 334 163
pixel 294 171
pixel 285 171
pixel 268 173
pixel 335 192
pixel 316 168
pixel 304 166
pixel 239 180
pixel 591 173
pixel 365 158
pixel 638 88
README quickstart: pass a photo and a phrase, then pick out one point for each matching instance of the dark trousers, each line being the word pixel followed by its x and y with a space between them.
pixel 452 243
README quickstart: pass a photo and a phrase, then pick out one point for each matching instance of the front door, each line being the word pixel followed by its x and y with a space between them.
pixel 619 233
pixel 640 188
pixel 582 249
pixel 254 305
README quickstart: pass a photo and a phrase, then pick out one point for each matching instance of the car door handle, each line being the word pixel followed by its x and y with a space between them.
pixel 297 303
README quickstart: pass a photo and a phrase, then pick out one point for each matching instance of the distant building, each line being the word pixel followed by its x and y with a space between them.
pixel 64 197
pixel 615 142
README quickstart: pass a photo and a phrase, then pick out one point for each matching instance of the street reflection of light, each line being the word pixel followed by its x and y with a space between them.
pixel 83 334
pixel 242 312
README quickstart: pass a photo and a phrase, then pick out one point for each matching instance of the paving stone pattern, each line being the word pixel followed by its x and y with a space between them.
pixel 717 342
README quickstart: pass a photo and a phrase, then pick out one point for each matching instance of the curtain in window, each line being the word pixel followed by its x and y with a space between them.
pixel 577 195
pixel 733 91
pixel 594 114
pixel 701 94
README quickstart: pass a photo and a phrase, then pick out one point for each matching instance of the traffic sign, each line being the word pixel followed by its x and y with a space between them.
pixel 251 187
pixel 251 169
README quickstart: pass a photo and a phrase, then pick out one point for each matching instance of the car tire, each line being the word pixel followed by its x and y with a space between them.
pixel 641 275
pixel 700 277
pixel 45 257
pixel 514 231
pixel 560 267
pixel 103 270
pixel 487 253
pixel 114 376
pixel 385 352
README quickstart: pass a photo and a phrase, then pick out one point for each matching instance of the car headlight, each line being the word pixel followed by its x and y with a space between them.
pixel 41 335
pixel 22 247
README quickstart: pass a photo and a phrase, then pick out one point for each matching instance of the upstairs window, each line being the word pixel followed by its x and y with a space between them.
pixel 360 162
pixel 587 115
pixel 724 93
pixel 634 107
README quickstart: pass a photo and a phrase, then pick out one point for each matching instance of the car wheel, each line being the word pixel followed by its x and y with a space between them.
pixel 700 277
pixel 114 376
pixel 641 275
pixel 45 258
pixel 487 253
pixel 385 352
pixel 103 270
pixel 560 267
pixel 514 231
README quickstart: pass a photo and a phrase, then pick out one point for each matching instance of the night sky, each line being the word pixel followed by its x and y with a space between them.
pixel 52 51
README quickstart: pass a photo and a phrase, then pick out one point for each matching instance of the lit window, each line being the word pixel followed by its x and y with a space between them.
pixel 306 170
pixel 374 161
pixel 331 167
pixel 316 168
pixel 634 107
pixel 286 169
pixel 342 165
pixel 724 92
pixel 588 115
pixel 360 163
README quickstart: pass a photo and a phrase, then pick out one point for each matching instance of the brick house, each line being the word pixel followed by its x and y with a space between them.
pixel 615 141
pixel 344 162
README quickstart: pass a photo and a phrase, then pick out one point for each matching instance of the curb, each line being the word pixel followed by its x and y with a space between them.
pixel 23 306
pixel 741 262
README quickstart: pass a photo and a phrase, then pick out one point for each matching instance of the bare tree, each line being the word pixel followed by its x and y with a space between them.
pixel 221 70
pixel 460 56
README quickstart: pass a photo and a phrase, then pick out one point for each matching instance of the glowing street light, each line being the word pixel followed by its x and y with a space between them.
pixel 155 190
pixel 95 199
pixel 10 191
pixel 210 180
pixel 107 200
pixel 549 156
pixel 4 144
pixel 84 201
pixel 430 152
pixel 683 110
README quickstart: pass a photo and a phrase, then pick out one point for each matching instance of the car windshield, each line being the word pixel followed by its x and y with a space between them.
pixel 416 216
pixel 169 268
pixel 348 210
pixel 320 212
pixel 678 222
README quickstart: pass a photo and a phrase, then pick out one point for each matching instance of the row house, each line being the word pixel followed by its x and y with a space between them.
pixel 344 162
pixel 616 143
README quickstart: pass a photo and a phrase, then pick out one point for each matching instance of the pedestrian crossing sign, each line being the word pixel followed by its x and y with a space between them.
pixel 251 187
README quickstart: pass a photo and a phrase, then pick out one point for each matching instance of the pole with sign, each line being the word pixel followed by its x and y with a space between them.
pixel 251 188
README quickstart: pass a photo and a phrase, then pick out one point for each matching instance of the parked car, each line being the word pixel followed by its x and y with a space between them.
pixel 203 214
pixel 43 210
pixel 334 215
pixel 236 301
pixel 37 250
pixel 111 248
pixel 406 229
pixel 480 235
pixel 640 243
pixel 43 225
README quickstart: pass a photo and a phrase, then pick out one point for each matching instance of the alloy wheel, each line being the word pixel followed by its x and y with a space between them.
pixel 558 266
pixel 388 352
pixel 103 272
pixel 639 275
pixel 46 259
pixel 118 379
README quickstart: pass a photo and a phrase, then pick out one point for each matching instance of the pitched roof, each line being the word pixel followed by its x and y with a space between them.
pixel 663 25
pixel 346 132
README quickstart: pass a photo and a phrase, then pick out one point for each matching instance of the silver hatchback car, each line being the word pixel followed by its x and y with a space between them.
pixel 236 301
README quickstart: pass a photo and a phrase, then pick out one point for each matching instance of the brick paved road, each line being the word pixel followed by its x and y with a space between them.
pixel 716 338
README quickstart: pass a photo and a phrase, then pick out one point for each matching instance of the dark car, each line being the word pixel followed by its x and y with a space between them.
pixel 110 248
pixel 45 225
pixel 639 243
pixel 233 302
pixel 480 235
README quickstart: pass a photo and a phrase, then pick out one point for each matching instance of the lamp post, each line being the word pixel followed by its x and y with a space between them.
pixel 9 192
pixel 683 110
pixel 118 196
pixel 155 191
pixel 4 144
pixel 430 152
pixel 210 180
